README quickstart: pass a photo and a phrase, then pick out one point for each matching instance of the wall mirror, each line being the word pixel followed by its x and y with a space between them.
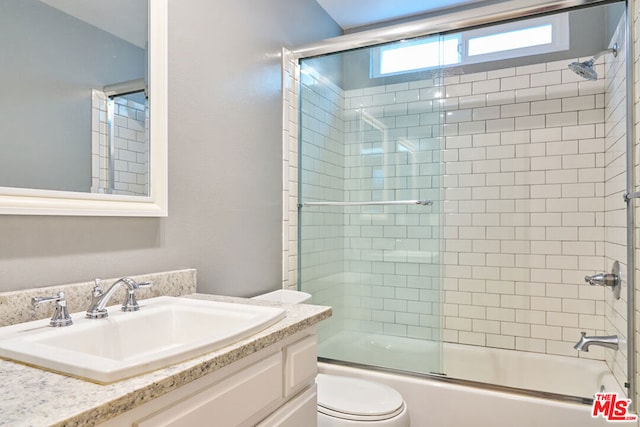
pixel 83 110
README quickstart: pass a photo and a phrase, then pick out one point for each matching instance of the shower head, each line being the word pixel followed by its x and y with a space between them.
pixel 585 69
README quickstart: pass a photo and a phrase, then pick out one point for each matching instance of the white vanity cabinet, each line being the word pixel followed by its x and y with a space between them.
pixel 272 387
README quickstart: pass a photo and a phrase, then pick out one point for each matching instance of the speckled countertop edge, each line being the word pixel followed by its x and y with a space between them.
pixel 34 397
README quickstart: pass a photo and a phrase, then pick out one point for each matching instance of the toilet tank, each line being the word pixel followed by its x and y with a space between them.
pixel 286 296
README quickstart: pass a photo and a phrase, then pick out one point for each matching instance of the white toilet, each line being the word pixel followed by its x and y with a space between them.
pixel 345 401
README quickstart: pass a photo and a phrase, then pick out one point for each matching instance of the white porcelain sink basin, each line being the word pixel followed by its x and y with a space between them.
pixel 166 330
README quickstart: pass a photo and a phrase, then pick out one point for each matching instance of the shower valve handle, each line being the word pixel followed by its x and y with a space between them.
pixel 611 280
pixel 602 279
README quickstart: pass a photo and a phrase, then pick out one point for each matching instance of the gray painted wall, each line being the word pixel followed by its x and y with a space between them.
pixel 50 61
pixel 224 163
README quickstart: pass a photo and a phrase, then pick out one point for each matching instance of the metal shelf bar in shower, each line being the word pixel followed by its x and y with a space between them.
pixel 628 196
pixel 369 203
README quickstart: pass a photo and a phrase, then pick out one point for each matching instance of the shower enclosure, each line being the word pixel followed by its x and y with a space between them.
pixel 454 183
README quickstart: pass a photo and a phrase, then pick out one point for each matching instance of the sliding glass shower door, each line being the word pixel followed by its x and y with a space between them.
pixel 370 212
pixel 524 126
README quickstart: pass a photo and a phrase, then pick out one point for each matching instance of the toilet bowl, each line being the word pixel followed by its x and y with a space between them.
pixel 346 401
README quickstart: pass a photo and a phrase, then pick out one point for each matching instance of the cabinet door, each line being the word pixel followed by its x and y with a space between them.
pixel 300 411
pixel 230 402
pixel 301 361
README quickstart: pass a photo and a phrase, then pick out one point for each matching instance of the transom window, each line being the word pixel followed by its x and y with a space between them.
pixel 511 40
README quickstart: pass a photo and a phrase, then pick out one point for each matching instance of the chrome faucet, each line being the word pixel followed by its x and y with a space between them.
pixel 99 299
pixel 61 315
pixel 608 341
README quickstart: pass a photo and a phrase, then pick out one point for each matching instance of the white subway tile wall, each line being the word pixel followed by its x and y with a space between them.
pixel 131 153
pixel 322 173
pixel 523 204
pixel 290 86
pixel 131 146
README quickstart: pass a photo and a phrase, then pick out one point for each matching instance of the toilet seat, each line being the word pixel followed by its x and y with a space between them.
pixel 357 400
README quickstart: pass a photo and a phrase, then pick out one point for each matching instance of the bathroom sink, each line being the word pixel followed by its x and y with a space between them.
pixel 166 330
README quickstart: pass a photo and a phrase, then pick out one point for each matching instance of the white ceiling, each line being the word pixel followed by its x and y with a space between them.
pixel 355 13
pixel 126 19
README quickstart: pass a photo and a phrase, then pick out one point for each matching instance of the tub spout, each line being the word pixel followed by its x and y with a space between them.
pixel 608 341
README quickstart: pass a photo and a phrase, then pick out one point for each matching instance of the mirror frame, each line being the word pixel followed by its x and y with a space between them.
pixel 25 201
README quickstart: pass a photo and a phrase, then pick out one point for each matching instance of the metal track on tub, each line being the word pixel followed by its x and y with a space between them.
pixel 467 383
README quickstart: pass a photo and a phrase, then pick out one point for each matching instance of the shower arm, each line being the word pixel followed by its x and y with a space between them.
pixel 613 50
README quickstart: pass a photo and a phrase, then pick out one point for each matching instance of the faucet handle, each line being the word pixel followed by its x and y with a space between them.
pixel 96 294
pixel 611 280
pixel 145 284
pixel 61 314
pixel 131 302
pixel 97 291
pixel 596 279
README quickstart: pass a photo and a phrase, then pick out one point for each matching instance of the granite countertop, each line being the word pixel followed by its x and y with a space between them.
pixel 35 397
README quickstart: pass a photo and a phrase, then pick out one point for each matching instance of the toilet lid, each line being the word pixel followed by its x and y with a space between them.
pixel 353 398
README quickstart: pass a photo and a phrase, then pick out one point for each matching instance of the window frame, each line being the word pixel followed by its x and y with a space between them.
pixel 559 38
pixel 377 56
pixel 560 41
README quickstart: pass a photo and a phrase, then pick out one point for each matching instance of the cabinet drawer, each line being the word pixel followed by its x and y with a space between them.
pixel 227 403
pixel 302 410
pixel 301 364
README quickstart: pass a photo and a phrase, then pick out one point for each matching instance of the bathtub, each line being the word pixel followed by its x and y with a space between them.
pixel 561 375
pixel 483 386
